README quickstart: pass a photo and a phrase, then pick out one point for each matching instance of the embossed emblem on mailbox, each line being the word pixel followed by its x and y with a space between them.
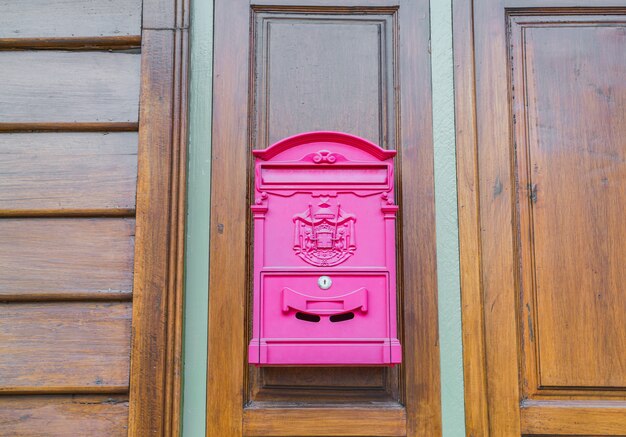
pixel 322 297
pixel 324 236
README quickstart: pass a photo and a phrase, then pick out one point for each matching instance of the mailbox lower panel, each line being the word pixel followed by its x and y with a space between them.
pixel 351 322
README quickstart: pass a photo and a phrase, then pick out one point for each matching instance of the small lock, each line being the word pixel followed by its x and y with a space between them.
pixel 324 282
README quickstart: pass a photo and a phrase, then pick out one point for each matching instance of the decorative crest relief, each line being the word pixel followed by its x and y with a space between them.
pixel 324 236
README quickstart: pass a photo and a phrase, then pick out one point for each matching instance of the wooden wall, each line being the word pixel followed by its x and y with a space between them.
pixel 68 139
pixel 71 74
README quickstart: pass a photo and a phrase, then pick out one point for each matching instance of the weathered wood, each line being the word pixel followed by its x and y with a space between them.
pixel 571 167
pixel 346 421
pixel 227 273
pixel 69 18
pixel 418 249
pixel 61 416
pixel 56 87
pixel 64 347
pixel 539 129
pixel 68 172
pixel 66 258
pixel 475 382
pixel 575 418
pixel 157 303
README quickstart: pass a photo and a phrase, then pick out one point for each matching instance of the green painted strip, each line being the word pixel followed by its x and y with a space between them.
pixel 450 333
pixel 197 231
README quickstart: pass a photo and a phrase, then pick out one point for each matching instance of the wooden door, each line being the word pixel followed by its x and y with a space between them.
pixel 541 112
pixel 285 67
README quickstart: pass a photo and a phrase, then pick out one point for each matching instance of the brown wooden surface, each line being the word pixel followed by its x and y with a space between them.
pixel 475 383
pixel 66 258
pixel 63 415
pixel 352 54
pixel 574 418
pixel 92 86
pixel 320 422
pixel 157 302
pixel 56 86
pixel 73 18
pixel 68 172
pixel 573 160
pixel 64 347
pixel 547 281
pixel 227 275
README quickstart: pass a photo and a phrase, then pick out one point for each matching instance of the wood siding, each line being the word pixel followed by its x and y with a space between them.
pixel 90 216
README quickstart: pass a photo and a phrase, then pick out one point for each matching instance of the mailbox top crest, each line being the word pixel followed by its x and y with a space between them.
pixel 351 147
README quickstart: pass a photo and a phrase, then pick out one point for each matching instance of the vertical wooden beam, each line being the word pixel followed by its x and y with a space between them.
pixel 227 300
pixel 155 384
pixel 476 420
pixel 421 358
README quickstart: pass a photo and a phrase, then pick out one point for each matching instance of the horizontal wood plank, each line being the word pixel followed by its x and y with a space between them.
pixel 62 416
pixel 69 18
pixel 60 172
pixel 324 421
pixel 57 87
pixel 68 347
pixel 66 258
pixel 579 418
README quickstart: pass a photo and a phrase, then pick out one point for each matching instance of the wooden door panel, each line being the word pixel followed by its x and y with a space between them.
pixel 328 71
pixel 323 71
pixel 549 161
pixel 570 101
pixel 289 66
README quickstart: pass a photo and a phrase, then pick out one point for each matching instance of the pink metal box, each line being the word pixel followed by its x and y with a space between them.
pixel 324 253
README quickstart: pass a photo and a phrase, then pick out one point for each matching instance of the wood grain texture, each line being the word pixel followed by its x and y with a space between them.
pixel 475 382
pixel 227 270
pixel 580 418
pixel 536 129
pixel 418 270
pixel 310 67
pixel 65 173
pixel 320 422
pixel 69 18
pixel 158 301
pixel 61 416
pixel 66 259
pixel 573 160
pixel 496 185
pixel 64 347
pixel 56 87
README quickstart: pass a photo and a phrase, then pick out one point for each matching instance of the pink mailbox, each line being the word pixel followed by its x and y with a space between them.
pixel 324 253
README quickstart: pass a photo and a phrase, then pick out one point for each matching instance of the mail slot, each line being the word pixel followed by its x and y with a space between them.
pixel 324 288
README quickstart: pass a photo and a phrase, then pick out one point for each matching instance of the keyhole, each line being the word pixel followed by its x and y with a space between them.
pixel 324 282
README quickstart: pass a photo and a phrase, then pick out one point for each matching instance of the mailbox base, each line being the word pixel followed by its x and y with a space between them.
pixel 371 352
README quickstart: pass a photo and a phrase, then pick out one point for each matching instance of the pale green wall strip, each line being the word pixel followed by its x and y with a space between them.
pixel 450 336
pixel 197 231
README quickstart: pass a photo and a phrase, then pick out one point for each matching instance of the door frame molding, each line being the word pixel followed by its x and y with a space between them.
pixel 155 376
pixel 420 413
